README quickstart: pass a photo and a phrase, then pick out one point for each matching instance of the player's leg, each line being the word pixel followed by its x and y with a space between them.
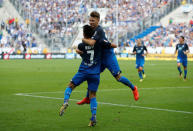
pixel 86 100
pixel 93 108
pixel 143 72
pixel 67 94
pixel 179 67
pixel 113 66
pixel 93 83
pixel 125 81
pixel 139 69
pixel 140 73
pixel 185 68
pixel 76 80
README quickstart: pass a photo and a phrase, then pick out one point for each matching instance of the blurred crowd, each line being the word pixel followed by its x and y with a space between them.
pixel 169 36
pixel 131 13
pixel 61 18
pixel 166 36
pixel 50 16
pixel 15 34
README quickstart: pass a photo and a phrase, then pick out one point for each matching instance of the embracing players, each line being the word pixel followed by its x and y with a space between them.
pixel 89 71
pixel 109 59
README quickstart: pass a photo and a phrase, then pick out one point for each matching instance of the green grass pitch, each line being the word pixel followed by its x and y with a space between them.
pixel 165 104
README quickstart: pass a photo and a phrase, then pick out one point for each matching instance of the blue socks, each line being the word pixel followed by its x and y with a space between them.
pixel 125 81
pixel 179 69
pixel 143 71
pixel 185 73
pixel 67 94
pixel 140 74
pixel 93 106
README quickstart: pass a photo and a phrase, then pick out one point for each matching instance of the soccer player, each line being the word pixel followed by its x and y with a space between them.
pixel 183 50
pixel 89 71
pixel 140 60
pixel 109 59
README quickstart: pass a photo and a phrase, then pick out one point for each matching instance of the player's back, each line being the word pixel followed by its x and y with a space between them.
pixel 100 35
pixel 91 58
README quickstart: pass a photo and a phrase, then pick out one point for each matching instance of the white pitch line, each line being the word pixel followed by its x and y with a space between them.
pixel 104 90
pixel 111 104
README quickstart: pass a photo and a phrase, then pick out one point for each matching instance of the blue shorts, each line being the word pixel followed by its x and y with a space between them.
pixel 93 80
pixel 140 62
pixel 183 61
pixel 111 64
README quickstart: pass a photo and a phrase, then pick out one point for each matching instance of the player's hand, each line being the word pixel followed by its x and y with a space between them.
pixel 185 52
pixel 79 52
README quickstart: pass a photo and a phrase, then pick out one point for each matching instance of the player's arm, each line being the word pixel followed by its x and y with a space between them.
pixel 187 50
pixel 107 44
pixel 146 52
pixel 134 51
pixel 91 41
pixel 176 50
pixel 79 50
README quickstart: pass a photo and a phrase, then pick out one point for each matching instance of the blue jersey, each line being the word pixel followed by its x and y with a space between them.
pixel 109 59
pixel 139 51
pixel 91 57
pixel 181 48
pixel 99 35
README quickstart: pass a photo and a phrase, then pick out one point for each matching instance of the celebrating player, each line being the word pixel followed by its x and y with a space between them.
pixel 109 59
pixel 140 60
pixel 89 71
pixel 183 50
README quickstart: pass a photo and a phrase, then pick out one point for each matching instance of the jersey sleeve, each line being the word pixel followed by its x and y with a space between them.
pixel 186 47
pixel 81 47
pixel 106 44
pixel 177 47
pixel 145 48
pixel 134 49
pixel 97 35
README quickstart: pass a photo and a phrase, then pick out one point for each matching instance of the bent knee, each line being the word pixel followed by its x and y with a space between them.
pixel 71 85
pixel 140 68
pixel 118 77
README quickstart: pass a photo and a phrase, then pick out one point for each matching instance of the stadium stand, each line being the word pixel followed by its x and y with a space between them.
pixel 59 22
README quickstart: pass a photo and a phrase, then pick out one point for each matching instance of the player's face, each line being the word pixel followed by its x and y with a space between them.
pixel 139 42
pixel 181 40
pixel 93 21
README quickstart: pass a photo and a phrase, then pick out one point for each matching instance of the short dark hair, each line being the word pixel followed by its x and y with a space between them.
pixel 88 31
pixel 95 14
pixel 182 37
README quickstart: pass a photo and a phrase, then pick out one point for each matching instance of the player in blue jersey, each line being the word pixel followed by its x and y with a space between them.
pixel 109 59
pixel 89 71
pixel 140 60
pixel 183 50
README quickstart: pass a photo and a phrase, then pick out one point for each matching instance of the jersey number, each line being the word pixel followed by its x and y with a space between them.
pixel 91 52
